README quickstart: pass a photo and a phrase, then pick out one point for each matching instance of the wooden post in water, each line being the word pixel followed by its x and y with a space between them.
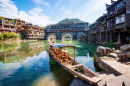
pixel 74 53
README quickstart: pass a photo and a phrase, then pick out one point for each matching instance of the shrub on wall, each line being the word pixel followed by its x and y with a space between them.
pixel 1 37
pixel 5 36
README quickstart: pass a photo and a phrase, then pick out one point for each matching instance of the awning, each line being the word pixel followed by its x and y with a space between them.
pixel 62 45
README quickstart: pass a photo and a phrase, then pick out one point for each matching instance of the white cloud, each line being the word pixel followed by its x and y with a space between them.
pixel 62 8
pixel 86 10
pixel 92 10
pixel 35 11
pixel 37 1
pixel 8 9
pixel 42 2
pixel 59 2
pixel 67 12
pixel 35 16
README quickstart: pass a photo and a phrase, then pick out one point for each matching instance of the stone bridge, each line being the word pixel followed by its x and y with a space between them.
pixel 74 35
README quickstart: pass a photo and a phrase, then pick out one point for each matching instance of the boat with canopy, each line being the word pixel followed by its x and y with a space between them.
pixel 66 60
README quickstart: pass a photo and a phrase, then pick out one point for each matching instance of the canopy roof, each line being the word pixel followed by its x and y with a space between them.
pixel 62 45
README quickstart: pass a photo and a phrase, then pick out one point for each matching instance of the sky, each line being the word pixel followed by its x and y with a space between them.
pixel 44 12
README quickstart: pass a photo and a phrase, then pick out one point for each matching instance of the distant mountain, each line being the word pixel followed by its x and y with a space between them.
pixel 74 20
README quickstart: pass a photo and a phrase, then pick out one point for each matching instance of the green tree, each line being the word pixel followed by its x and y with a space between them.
pixel 1 37
pixel 9 35
pixel 44 27
pixel 2 18
pixel 73 30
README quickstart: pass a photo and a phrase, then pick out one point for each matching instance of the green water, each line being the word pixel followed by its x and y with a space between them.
pixel 29 63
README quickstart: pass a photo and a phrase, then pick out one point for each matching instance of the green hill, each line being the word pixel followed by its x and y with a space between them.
pixel 74 19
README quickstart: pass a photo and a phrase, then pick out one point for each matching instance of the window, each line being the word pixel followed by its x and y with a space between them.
pixel 117 20
pixel 123 18
pixel 111 13
pixel 120 18
pixel 121 5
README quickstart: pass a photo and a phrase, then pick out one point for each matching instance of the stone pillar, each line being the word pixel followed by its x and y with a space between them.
pixel 119 40
pixel 100 36
pixel 129 37
pixel 106 37
pixel 92 37
pixel 111 37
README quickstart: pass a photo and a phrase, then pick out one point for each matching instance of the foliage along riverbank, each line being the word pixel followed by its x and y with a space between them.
pixel 7 37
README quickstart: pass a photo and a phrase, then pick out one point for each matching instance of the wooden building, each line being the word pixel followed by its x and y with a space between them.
pixel 7 25
pixel 26 30
pixel 118 21
pixel 115 26
pixel 30 31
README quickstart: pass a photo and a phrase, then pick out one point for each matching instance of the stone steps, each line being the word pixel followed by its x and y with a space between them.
pixel 107 80
pixel 105 77
pixel 112 80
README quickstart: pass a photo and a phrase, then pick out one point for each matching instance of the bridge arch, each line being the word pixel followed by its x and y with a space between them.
pixel 80 34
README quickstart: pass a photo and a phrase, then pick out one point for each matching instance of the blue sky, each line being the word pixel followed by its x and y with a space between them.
pixel 44 12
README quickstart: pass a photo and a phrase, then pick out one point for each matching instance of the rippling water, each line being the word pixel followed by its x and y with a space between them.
pixel 29 63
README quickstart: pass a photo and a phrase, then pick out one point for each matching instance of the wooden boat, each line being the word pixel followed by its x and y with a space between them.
pixel 64 59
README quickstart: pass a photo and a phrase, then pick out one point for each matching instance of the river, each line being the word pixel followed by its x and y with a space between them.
pixel 29 63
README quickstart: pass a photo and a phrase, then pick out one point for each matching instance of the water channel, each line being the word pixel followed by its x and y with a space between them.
pixel 29 63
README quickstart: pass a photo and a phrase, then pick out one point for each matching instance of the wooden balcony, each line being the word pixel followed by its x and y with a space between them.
pixel 120 26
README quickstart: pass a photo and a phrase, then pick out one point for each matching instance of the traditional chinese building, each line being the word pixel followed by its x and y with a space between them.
pixel 27 30
pixel 18 24
pixel 98 29
pixel 7 25
pixel 115 27
pixel 67 27
pixel 118 21
pixel 30 31
pixel 74 27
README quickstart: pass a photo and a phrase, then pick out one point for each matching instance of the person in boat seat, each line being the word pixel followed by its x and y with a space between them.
pixel 58 51
pixel 62 55
pixel 67 56
pixel 54 51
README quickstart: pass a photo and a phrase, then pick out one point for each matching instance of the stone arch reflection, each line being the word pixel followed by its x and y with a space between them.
pixel 83 36
pixel 52 38
pixel 67 37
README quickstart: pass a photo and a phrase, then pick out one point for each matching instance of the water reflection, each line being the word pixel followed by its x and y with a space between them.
pixel 17 64
pixel 29 64
pixel 51 38
pixel 67 41
pixel 9 46
pixel 21 53
pixel 61 76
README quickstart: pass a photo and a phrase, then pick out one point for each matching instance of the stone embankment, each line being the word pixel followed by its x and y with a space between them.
pixel 115 62
pixel 116 66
